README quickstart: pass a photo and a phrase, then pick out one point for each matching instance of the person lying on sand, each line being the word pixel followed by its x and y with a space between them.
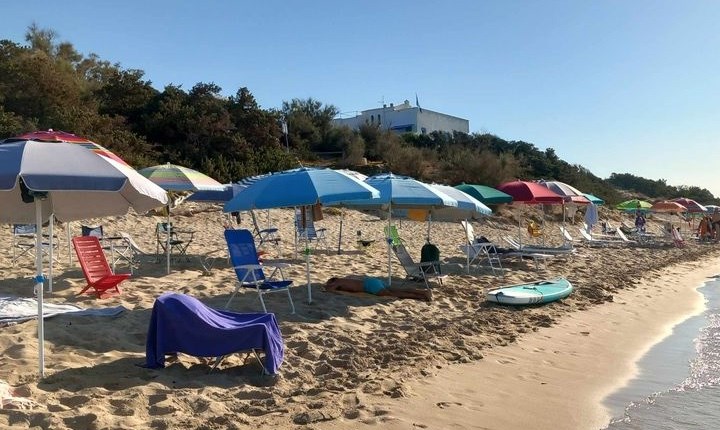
pixel 374 286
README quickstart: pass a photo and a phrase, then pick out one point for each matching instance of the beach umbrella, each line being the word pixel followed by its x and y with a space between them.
pixel 400 192
pixel 569 193
pixel 690 205
pixel 38 179
pixel 634 204
pixel 216 196
pixel 485 194
pixel 301 187
pixel 531 193
pixel 667 207
pixel 61 136
pixel 173 178
pixel 594 199
pixel 710 209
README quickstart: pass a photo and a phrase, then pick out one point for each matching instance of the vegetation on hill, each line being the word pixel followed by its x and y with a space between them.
pixel 48 84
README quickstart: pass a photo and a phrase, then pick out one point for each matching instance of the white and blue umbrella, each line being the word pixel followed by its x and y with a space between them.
pixel 38 179
pixel 401 192
pixel 301 187
pixel 216 196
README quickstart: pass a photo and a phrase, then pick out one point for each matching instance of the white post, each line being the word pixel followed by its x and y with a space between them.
pixel 39 286
pixel 307 268
pixel 51 253
pixel 69 243
pixel 167 239
pixel 388 240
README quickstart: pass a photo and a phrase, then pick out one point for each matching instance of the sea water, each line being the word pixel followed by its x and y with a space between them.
pixel 678 385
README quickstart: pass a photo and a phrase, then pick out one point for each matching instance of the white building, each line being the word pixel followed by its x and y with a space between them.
pixel 407 119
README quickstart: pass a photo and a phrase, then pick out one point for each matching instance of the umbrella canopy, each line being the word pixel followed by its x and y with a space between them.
pixel 211 196
pixel 65 169
pixel 667 206
pixel 171 177
pixel 634 204
pixel 710 209
pixel 594 199
pixel 690 205
pixel 300 187
pixel 485 194
pixel 468 207
pixel 569 193
pixel 65 179
pixel 530 193
pixel 61 136
pixel 401 192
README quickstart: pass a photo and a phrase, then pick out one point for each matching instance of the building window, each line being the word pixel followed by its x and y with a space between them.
pixel 423 130
pixel 372 119
pixel 379 122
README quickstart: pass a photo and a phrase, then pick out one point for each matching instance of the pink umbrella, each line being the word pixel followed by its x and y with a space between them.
pixel 690 205
pixel 530 193
pixel 667 206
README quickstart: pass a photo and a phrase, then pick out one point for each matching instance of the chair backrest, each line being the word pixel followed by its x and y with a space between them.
pixel 91 257
pixel 18 229
pixel 621 235
pixel 566 234
pixel 92 231
pixel 677 237
pixel 406 260
pixel 241 247
pixel 585 234
pixel 469 231
pixel 131 243
pixel 308 229
pixel 392 234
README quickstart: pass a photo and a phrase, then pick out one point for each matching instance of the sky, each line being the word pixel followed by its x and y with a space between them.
pixel 615 86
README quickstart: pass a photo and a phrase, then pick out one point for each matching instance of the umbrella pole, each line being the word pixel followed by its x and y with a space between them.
pixel 307 268
pixel 389 244
pixel 39 286
pixel 67 228
pixel 469 247
pixel 342 215
pixel 167 238
pixel 428 226
pixel 297 227
pixel 51 230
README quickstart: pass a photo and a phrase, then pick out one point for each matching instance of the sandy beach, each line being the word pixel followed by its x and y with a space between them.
pixel 354 361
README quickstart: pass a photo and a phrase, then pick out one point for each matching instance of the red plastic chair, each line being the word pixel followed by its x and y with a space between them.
pixel 97 271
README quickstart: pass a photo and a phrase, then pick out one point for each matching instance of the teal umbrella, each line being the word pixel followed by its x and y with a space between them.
pixel 594 199
pixel 486 195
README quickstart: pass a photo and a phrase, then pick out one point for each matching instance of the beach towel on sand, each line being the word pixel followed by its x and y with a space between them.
pixel 181 323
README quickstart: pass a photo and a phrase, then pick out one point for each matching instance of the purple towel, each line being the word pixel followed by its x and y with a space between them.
pixel 181 323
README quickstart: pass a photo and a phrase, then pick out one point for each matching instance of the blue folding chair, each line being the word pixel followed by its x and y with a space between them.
pixel 249 270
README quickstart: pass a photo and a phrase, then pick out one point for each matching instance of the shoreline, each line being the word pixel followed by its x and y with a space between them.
pixel 573 366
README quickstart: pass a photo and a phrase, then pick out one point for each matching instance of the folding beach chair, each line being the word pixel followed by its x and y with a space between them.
pixel 182 324
pixel 265 235
pixel 476 249
pixel 305 230
pixel 95 267
pixel 249 270
pixel 23 236
pixel 179 240
pixel 424 271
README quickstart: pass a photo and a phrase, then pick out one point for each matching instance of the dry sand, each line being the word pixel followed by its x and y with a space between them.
pixel 353 360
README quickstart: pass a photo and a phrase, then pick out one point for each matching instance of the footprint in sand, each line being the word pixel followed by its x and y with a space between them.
pixel 445 405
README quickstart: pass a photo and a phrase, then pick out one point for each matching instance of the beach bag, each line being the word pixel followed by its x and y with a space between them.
pixel 430 253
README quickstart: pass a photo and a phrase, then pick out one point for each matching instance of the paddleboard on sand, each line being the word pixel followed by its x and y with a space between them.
pixel 532 292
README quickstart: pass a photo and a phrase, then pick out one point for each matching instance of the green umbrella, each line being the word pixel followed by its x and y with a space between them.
pixel 594 199
pixel 487 195
pixel 634 204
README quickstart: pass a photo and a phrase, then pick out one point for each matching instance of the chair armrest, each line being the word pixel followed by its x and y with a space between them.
pixel 428 263
pixel 249 267
pixel 268 230
pixel 278 265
